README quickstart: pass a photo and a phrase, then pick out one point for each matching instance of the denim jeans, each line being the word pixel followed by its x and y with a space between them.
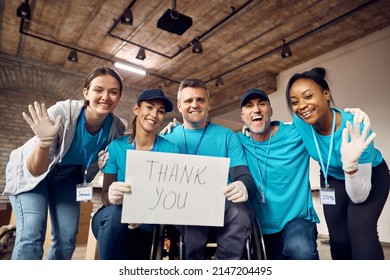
pixel 58 193
pixel 297 241
pixel 115 240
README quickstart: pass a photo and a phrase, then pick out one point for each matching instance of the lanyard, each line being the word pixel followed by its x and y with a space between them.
pixel 262 178
pixel 88 161
pixel 325 171
pixel 200 140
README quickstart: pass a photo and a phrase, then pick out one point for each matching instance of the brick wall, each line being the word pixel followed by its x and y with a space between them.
pixel 14 130
pixel 22 82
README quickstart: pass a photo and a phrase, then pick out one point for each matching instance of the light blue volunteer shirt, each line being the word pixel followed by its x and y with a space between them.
pixel 370 155
pixel 116 163
pixel 117 150
pixel 284 166
pixel 218 141
pixel 75 154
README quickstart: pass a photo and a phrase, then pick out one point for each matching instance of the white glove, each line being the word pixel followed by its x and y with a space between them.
pixel 236 192
pixel 41 124
pixel 351 151
pixel 168 128
pixel 102 159
pixel 133 226
pixel 358 115
pixel 245 131
pixel 116 191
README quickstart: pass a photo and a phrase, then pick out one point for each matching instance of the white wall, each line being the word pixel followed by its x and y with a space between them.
pixel 359 77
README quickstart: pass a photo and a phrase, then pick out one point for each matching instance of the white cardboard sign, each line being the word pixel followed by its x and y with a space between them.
pixel 175 189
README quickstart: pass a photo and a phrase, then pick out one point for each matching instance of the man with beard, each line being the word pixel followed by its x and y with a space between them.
pixel 279 164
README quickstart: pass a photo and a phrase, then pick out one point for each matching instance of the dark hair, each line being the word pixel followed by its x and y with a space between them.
pixel 193 83
pixel 101 71
pixel 317 75
pixel 133 129
pixel 149 94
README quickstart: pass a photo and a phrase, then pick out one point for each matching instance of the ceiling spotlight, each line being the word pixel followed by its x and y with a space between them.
pixel 127 17
pixel 286 51
pixel 197 47
pixel 141 54
pixel 73 56
pixel 24 11
pixel 219 82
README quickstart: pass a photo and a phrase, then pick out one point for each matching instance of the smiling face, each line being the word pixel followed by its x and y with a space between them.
pixel 256 113
pixel 150 115
pixel 194 105
pixel 309 101
pixel 102 95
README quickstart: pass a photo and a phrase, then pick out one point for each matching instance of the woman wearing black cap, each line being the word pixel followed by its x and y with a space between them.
pixel 117 241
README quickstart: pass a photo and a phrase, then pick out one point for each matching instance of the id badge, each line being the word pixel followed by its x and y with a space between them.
pixel 328 196
pixel 84 191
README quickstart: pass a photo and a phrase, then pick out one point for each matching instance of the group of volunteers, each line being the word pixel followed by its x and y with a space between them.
pixel 268 180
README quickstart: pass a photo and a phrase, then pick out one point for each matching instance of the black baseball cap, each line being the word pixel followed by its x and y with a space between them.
pixel 149 94
pixel 251 93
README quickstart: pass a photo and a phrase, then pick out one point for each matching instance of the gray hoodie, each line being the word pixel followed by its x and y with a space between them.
pixel 19 178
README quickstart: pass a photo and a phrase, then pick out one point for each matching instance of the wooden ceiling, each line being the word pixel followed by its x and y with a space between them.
pixel 241 39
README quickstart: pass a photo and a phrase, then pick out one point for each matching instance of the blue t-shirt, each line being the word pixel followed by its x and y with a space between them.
pixel 370 155
pixel 92 143
pixel 218 141
pixel 284 165
pixel 116 163
pixel 117 149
